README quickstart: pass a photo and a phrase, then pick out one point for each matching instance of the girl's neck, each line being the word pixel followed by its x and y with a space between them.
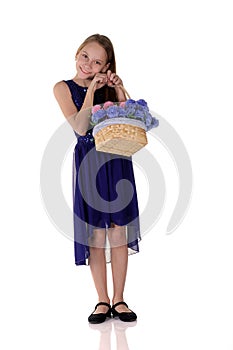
pixel 82 82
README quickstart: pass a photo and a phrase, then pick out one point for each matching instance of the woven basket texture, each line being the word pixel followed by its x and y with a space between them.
pixel 122 139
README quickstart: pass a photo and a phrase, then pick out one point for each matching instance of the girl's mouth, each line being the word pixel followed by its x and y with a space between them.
pixel 84 71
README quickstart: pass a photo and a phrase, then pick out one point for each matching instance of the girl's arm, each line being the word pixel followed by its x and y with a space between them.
pixel 70 111
pixel 120 94
pixel 115 81
pixel 79 120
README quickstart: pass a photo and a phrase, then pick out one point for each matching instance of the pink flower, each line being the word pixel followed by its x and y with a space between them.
pixel 108 104
pixel 95 108
pixel 122 104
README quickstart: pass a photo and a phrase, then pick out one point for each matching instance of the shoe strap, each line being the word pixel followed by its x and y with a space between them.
pixel 119 303
pixel 102 303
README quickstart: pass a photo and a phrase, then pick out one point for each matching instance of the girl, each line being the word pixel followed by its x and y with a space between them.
pixel 101 233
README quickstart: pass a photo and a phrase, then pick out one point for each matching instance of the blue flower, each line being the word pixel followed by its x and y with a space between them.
pixel 142 103
pixel 154 123
pixel 98 115
pixel 112 112
pixel 130 102
pixel 122 112
pixel 130 109
pixel 139 114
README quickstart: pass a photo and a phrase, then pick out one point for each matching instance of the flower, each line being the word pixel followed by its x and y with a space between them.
pixel 95 108
pixel 142 103
pixel 122 112
pixel 108 104
pixel 139 114
pixel 98 116
pixel 154 123
pixel 130 102
pixel 129 109
pixel 112 111
pixel 148 119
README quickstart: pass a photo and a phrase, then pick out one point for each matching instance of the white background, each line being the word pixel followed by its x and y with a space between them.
pixel 178 56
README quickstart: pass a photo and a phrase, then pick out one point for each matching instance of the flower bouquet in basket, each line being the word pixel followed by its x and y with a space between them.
pixel 120 127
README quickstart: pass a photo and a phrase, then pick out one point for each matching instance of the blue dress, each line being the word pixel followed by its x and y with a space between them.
pixel 100 197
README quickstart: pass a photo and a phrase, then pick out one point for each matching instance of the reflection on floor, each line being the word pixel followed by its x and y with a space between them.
pixel 119 328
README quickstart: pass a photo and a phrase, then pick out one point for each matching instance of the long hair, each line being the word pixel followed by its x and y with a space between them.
pixel 105 42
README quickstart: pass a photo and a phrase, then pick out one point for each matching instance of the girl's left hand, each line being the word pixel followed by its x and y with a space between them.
pixel 113 79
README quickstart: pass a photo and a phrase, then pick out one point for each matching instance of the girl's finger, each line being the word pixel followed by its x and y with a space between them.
pixel 109 74
pixel 117 81
pixel 112 76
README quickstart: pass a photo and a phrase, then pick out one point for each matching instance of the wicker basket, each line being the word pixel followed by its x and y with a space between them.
pixel 121 136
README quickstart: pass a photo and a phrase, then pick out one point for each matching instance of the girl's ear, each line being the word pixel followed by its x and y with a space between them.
pixel 105 68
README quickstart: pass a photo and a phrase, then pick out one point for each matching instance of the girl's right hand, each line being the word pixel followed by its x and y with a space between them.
pixel 99 80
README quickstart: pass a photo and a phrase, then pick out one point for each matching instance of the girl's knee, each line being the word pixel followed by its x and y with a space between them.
pixel 117 236
pixel 98 239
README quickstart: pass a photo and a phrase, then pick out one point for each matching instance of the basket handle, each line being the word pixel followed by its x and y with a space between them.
pixel 122 88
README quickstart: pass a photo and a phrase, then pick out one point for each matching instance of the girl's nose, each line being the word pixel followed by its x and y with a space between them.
pixel 88 64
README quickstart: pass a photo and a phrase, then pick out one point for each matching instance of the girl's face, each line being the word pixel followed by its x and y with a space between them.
pixel 91 59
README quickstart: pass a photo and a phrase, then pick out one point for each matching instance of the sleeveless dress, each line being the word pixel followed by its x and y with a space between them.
pixel 104 190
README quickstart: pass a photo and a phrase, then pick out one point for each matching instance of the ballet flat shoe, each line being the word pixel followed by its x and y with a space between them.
pixel 100 317
pixel 123 316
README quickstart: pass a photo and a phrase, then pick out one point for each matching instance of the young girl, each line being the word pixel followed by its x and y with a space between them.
pixel 101 234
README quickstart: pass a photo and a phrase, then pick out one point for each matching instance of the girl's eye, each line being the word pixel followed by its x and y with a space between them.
pixel 84 55
pixel 97 62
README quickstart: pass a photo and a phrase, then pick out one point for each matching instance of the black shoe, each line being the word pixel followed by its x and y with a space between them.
pixel 123 316
pixel 101 317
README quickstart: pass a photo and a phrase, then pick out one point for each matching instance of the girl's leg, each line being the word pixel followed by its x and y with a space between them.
pixel 119 262
pixel 97 263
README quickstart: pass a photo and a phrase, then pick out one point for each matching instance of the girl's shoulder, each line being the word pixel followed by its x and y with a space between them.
pixel 61 89
pixel 64 98
pixel 60 86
